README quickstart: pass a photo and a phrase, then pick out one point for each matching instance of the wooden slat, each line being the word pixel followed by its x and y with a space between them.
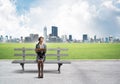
pixel 47 62
pixel 52 49
pixel 56 54
pixel 18 49
pixel 18 54
pixel 30 55
pixel 25 55
pixel 36 55
pixel 31 49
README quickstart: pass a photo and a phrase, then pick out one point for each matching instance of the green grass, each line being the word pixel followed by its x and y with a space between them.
pixel 76 50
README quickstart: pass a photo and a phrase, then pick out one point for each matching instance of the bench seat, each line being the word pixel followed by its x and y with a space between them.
pixel 46 62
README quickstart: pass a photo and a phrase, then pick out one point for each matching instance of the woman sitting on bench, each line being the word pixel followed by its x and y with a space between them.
pixel 40 50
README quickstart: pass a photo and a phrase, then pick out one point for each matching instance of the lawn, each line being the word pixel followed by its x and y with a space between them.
pixel 76 50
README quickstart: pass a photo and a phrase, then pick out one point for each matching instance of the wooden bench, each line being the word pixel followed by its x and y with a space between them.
pixel 26 61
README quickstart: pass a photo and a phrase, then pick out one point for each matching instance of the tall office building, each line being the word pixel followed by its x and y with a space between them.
pixel 85 37
pixel 45 34
pixel 70 37
pixel 107 40
pixel 95 38
pixel 33 37
pixel 64 38
pixel 1 38
pixel 54 31
pixel 36 36
pixel 110 39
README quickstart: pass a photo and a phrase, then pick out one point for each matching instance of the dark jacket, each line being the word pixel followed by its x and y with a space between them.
pixel 41 52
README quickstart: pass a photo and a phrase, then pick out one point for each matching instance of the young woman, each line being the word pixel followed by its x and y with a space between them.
pixel 40 50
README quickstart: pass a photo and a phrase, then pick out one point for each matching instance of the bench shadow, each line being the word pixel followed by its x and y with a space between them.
pixel 36 71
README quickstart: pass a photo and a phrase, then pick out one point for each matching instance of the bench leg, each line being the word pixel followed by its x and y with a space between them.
pixel 59 65
pixel 22 64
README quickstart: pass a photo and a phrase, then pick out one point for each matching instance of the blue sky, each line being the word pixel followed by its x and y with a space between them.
pixel 24 5
pixel 76 17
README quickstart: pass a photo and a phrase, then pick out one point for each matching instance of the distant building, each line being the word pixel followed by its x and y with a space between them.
pixel 116 40
pixel 102 40
pixel 1 38
pixel 54 31
pixel 50 35
pixel 53 37
pixel 28 39
pixel 91 40
pixel 32 38
pixel 36 36
pixel 15 40
pixel 6 38
pixel 70 37
pixel 64 38
pixel 21 38
pixel 45 33
pixel 85 38
pixel 110 39
pixel 95 38
pixel 107 40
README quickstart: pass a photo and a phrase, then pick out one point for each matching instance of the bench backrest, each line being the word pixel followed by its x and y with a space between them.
pixel 24 54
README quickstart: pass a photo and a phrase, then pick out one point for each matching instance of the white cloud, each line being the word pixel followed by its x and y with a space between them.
pixel 7 16
pixel 71 16
pixel 11 23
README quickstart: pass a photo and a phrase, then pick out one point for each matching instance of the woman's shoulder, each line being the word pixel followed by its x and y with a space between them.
pixel 37 43
pixel 44 44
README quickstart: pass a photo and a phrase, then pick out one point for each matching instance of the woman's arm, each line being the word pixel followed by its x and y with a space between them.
pixel 37 49
pixel 45 47
pixel 40 49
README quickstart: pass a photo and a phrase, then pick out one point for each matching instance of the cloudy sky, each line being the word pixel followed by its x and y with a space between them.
pixel 76 17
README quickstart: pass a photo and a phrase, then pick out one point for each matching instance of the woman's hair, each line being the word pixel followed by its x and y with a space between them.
pixel 40 38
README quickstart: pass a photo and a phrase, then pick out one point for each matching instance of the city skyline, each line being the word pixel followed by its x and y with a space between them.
pixel 54 32
pixel 75 17
pixel 54 37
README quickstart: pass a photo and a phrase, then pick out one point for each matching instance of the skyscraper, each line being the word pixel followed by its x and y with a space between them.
pixel 34 37
pixel 54 31
pixel 70 37
pixel 85 37
pixel 45 33
pixel 95 38
pixel 110 39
